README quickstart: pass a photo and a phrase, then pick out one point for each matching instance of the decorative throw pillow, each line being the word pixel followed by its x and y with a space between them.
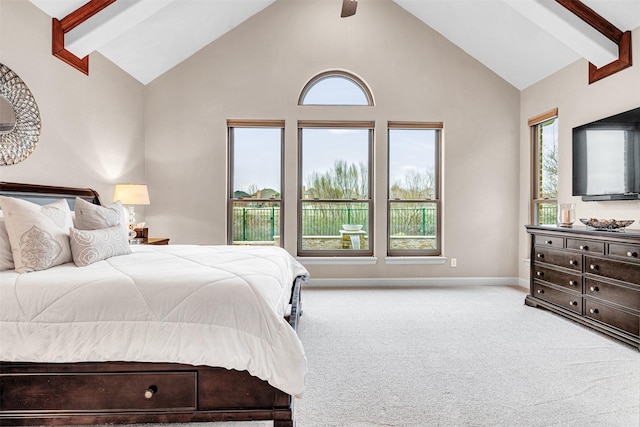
pixel 39 235
pixel 89 246
pixel 95 217
pixel 6 258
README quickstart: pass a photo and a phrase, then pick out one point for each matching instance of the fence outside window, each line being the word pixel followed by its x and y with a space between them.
pixel 547 214
pixel 262 223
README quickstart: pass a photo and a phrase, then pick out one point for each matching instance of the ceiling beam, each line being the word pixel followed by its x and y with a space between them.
pixel 568 28
pixel 99 29
pixel 60 27
pixel 592 18
pixel 606 28
pixel 625 60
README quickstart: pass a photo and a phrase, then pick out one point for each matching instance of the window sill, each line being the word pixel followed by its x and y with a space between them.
pixel 338 260
pixel 424 260
pixel 432 260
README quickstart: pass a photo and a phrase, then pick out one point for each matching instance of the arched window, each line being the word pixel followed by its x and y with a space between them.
pixel 335 209
pixel 335 88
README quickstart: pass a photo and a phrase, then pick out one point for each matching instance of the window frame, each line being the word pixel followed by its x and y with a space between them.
pixel 231 125
pixel 337 73
pixel 535 126
pixel 307 124
pixel 437 200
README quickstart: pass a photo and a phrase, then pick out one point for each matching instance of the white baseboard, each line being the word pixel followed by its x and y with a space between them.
pixel 415 282
pixel 523 283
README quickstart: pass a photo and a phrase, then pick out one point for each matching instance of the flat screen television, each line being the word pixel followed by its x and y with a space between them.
pixel 606 158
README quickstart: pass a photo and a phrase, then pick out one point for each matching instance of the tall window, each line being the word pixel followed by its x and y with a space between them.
pixel 335 207
pixel 414 189
pixel 544 170
pixel 255 182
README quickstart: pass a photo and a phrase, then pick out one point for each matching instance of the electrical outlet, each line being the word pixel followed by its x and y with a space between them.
pixel 454 262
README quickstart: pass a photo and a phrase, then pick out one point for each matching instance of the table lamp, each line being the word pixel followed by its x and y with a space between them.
pixel 131 195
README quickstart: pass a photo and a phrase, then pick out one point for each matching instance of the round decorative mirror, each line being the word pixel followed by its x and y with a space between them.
pixel 19 118
pixel 7 116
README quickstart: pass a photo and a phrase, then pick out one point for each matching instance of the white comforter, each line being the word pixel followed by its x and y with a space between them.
pixel 199 305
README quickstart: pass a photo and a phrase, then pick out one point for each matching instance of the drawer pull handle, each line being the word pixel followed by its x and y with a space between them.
pixel 573 283
pixel 573 262
pixel 549 242
pixel 594 267
pixel 541 291
pixel 573 302
pixel 632 254
pixel 594 289
pixel 540 256
pixel 148 393
pixel 594 311
pixel 539 273
pixel 584 247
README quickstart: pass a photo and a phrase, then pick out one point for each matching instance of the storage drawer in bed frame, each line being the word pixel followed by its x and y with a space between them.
pixel 129 386
pixel 98 391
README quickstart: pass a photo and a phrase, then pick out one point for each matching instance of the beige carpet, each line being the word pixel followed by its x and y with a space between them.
pixel 457 356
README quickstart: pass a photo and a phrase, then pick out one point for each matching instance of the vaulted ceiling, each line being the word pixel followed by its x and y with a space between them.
pixel 148 37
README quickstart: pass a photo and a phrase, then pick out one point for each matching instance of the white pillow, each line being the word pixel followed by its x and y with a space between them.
pixel 89 216
pixel 39 235
pixel 6 258
pixel 89 246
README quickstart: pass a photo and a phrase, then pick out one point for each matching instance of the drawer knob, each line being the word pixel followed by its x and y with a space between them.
pixel 632 254
pixel 594 289
pixel 541 291
pixel 539 273
pixel 594 311
pixel 148 393
pixel 573 262
pixel 594 267
pixel 573 283
pixel 549 242
pixel 540 256
pixel 573 302
pixel 584 247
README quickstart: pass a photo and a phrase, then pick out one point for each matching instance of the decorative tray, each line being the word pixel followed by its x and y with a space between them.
pixel 606 224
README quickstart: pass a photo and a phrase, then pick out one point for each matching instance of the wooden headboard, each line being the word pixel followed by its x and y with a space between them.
pixel 43 194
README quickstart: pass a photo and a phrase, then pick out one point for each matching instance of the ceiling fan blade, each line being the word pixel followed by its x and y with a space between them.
pixel 348 8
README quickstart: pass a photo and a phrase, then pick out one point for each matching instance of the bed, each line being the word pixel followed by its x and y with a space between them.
pixel 175 333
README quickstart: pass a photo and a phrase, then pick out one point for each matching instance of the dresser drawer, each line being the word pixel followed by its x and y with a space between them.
pixel 617 318
pixel 86 392
pixel 549 241
pixel 625 296
pixel 630 253
pixel 625 271
pixel 569 280
pixel 568 300
pixel 559 258
pixel 586 246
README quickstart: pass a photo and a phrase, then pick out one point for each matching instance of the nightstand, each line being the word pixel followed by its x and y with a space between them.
pixel 156 241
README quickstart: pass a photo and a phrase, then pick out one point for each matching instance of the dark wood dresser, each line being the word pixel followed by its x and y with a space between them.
pixel 591 277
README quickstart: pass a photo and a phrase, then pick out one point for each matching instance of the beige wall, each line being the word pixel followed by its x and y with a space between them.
pixel 257 71
pixel 92 126
pixel 577 103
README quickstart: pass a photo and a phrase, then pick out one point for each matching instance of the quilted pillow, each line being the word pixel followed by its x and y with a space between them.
pixel 39 235
pixel 94 217
pixel 89 246
pixel 6 258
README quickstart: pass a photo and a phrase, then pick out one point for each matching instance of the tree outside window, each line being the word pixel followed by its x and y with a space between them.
pixel 335 181
pixel 255 183
pixel 544 178
pixel 414 189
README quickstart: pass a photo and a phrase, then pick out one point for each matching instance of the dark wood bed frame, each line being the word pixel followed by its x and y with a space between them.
pixel 131 392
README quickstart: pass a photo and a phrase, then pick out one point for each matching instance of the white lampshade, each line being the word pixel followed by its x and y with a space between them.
pixel 131 194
